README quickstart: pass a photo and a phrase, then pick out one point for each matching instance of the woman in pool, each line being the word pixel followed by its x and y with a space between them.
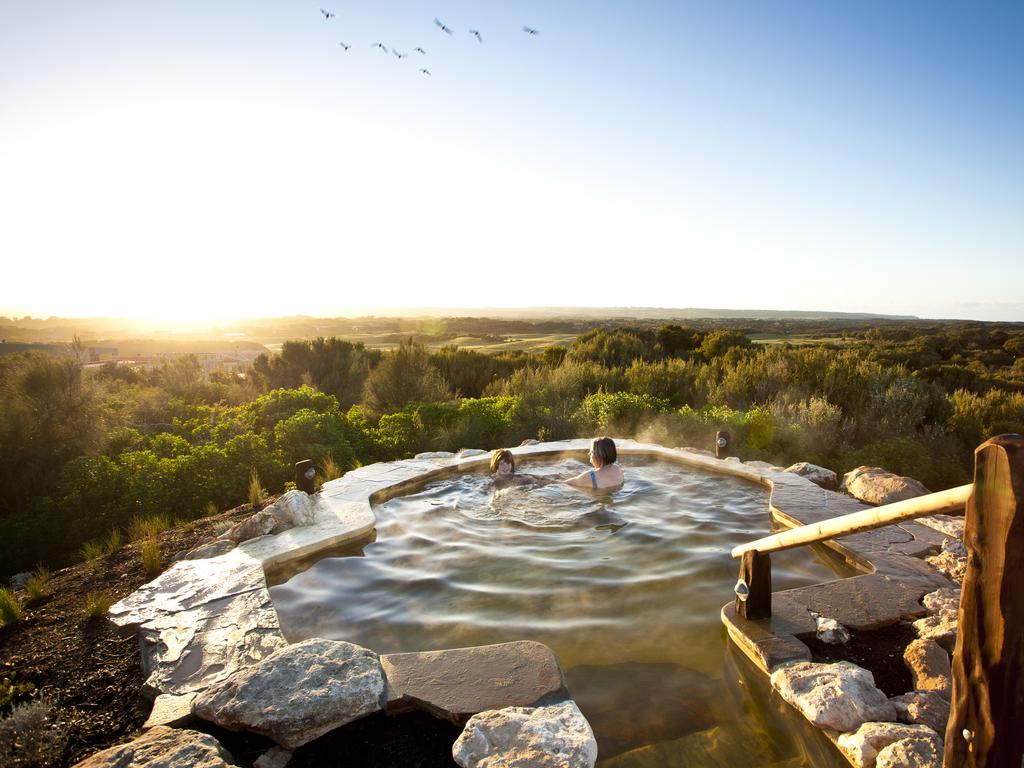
pixel 503 469
pixel 606 473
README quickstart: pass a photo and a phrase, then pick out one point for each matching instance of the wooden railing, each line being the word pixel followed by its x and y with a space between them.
pixel 988 662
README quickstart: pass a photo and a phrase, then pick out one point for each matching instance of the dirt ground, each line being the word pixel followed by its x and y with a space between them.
pixel 88 670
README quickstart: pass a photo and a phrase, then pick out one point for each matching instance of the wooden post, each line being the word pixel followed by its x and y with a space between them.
pixel 305 473
pixel 756 574
pixel 987 709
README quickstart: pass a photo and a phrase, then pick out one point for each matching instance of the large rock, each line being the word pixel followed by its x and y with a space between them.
pixel 877 486
pixel 862 746
pixel 820 476
pixel 952 560
pixel 552 736
pixel 943 601
pixel 941 628
pixel 459 683
pixel 293 509
pixel 929 666
pixel 838 696
pixel 298 693
pixel 170 710
pixel 163 748
pixel 831 631
pixel 191 650
pixel 921 752
pixel 922 708
pixel 949 525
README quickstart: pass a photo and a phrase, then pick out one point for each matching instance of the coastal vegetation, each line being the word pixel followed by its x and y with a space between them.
pixel 91 455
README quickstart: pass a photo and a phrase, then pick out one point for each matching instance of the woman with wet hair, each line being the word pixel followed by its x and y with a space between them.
pixel 606 473
pixel 503 469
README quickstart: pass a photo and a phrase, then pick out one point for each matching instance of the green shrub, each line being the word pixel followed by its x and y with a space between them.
pixel 96 605
pixel 141 528
pixel 113 541
pixel 12 692
pixel 10 609
pixel 329 468
pixel 26 739
pixel 620 412
pixel 37 588
pixel 149 551
pixel 92 550
pixel 257 493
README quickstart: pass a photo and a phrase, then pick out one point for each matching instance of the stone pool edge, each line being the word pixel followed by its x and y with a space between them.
pixel 203 620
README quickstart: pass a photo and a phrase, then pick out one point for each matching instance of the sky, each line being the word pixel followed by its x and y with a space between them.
pixel 194 160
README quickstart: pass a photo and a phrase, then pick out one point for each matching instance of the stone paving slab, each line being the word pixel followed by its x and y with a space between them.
pixel 190 650
pixel 188 584
pixel 860 602
pixel 769 642
pixel 337 523
pixel 457 684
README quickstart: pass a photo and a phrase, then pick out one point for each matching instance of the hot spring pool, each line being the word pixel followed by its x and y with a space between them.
pixel 626 588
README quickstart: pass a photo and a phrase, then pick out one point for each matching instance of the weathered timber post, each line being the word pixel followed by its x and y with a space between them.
pixel 987 708
pixel 754 587
pixel 305 473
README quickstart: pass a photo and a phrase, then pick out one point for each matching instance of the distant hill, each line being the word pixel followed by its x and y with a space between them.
pixel 639 313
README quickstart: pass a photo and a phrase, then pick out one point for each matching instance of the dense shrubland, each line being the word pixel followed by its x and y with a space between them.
pixel 83 454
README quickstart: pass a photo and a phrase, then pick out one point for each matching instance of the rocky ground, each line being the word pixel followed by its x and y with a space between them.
pixel 86 669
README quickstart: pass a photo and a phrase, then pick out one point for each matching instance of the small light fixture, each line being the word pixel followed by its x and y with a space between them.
pixel 742 590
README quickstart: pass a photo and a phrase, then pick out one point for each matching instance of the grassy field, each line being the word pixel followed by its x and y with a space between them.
pixel 527 342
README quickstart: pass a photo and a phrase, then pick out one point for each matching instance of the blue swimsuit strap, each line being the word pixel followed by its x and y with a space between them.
pixel 593 480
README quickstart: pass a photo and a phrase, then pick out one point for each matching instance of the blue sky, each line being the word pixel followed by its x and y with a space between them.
pixel 180 159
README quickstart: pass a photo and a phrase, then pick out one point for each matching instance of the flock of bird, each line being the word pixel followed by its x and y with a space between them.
pixel 328 15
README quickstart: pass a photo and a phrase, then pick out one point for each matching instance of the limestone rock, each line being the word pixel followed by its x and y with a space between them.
pixel 764 465
pixel 862 746
pixel 943 601
pixel 923 752
pixel 877 486
pixel 435 455
pixel 459 683
pixel 929 666
pixel 163 748
pixel 467 453
pixel 293 509
pixel 831 631
pixel 188 584
pixel 950 525
pixel 529 441
pixel 924 708
pixel 298 693
pixel 838 696
pixel 699 451
pixel 952 560
pixel 552 736
pixel 820 476
pixel 209 549
pixel 941 628
pixel 188 651
pixel 170 710
pixel 275 757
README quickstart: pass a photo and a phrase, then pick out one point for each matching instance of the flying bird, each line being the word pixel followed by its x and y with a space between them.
pixel 530 30
pixel 425 71
pixel 399 55
pixel 327 14
pixel 420 50
pixel 346 47
pixel 477 33
pixel 381 46
pixel 442 26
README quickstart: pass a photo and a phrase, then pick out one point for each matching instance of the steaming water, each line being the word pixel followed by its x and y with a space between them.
pixel 625 587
